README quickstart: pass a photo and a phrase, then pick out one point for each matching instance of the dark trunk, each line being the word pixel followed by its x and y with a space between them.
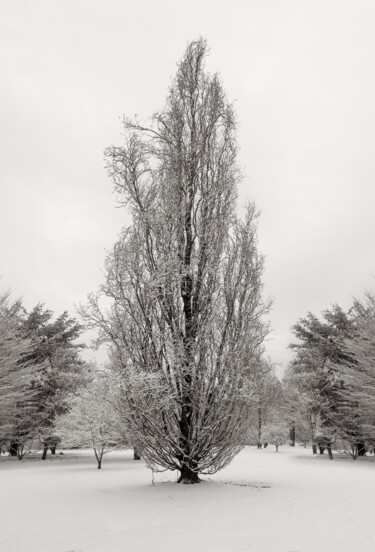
pixel 321 449
pixel 187 476
pixel 314 449
pixel 259 427
pixel 53 449
pixel 136 455
pixel 354 452
pixel 45 450
pixel 13 448
pixel 361 448
pixel 292 436
pixel 277 448
pixel 330 452
pixel 98 455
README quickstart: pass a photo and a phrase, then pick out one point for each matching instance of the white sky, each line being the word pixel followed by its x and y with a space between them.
pixel 302 74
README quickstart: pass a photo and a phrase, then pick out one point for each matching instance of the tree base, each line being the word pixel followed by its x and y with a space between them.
pixel 188 480
pixel 188 477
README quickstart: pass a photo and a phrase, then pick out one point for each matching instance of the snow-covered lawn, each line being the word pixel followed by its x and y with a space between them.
pixel 285 502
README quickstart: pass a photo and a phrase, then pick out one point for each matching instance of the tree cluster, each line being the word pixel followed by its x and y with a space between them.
pixel 329 385
pixel 40 367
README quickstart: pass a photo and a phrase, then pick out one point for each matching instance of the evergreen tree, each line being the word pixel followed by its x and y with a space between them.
pixel 17 398
pixel 316 373
pixel 55 365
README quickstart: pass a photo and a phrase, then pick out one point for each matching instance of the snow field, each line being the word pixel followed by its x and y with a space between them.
pixel 262 502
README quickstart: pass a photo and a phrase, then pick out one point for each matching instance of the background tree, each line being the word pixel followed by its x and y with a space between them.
pixel 184 280
pixel 276 433
pixel 266 403
pixel 303 400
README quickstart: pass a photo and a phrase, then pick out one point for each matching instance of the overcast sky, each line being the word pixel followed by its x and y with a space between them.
pixel 302 75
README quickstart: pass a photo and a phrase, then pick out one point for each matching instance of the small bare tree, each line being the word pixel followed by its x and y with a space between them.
pixel 92 420
pixel 184 280
pixel 276 433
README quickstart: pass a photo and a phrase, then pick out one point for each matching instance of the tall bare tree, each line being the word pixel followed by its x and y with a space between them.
pixel 184 280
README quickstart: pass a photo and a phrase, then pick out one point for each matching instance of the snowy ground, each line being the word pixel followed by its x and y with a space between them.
pixel 263 502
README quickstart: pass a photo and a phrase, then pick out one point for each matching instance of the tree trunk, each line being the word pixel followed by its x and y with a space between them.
pixel 136 455
pixel 45 450
pixel 277 448
pixel 292 436
pixel 354 452
pixel 98 455
pixel 13 448
pixel 329 449
pixel 361 447
pixel 321 450
pixel 20 451
pixel 259 427
pixel 53 449
pixel 188 477
pixel 314 449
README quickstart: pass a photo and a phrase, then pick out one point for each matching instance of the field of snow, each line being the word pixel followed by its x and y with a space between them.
pixel 263 502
